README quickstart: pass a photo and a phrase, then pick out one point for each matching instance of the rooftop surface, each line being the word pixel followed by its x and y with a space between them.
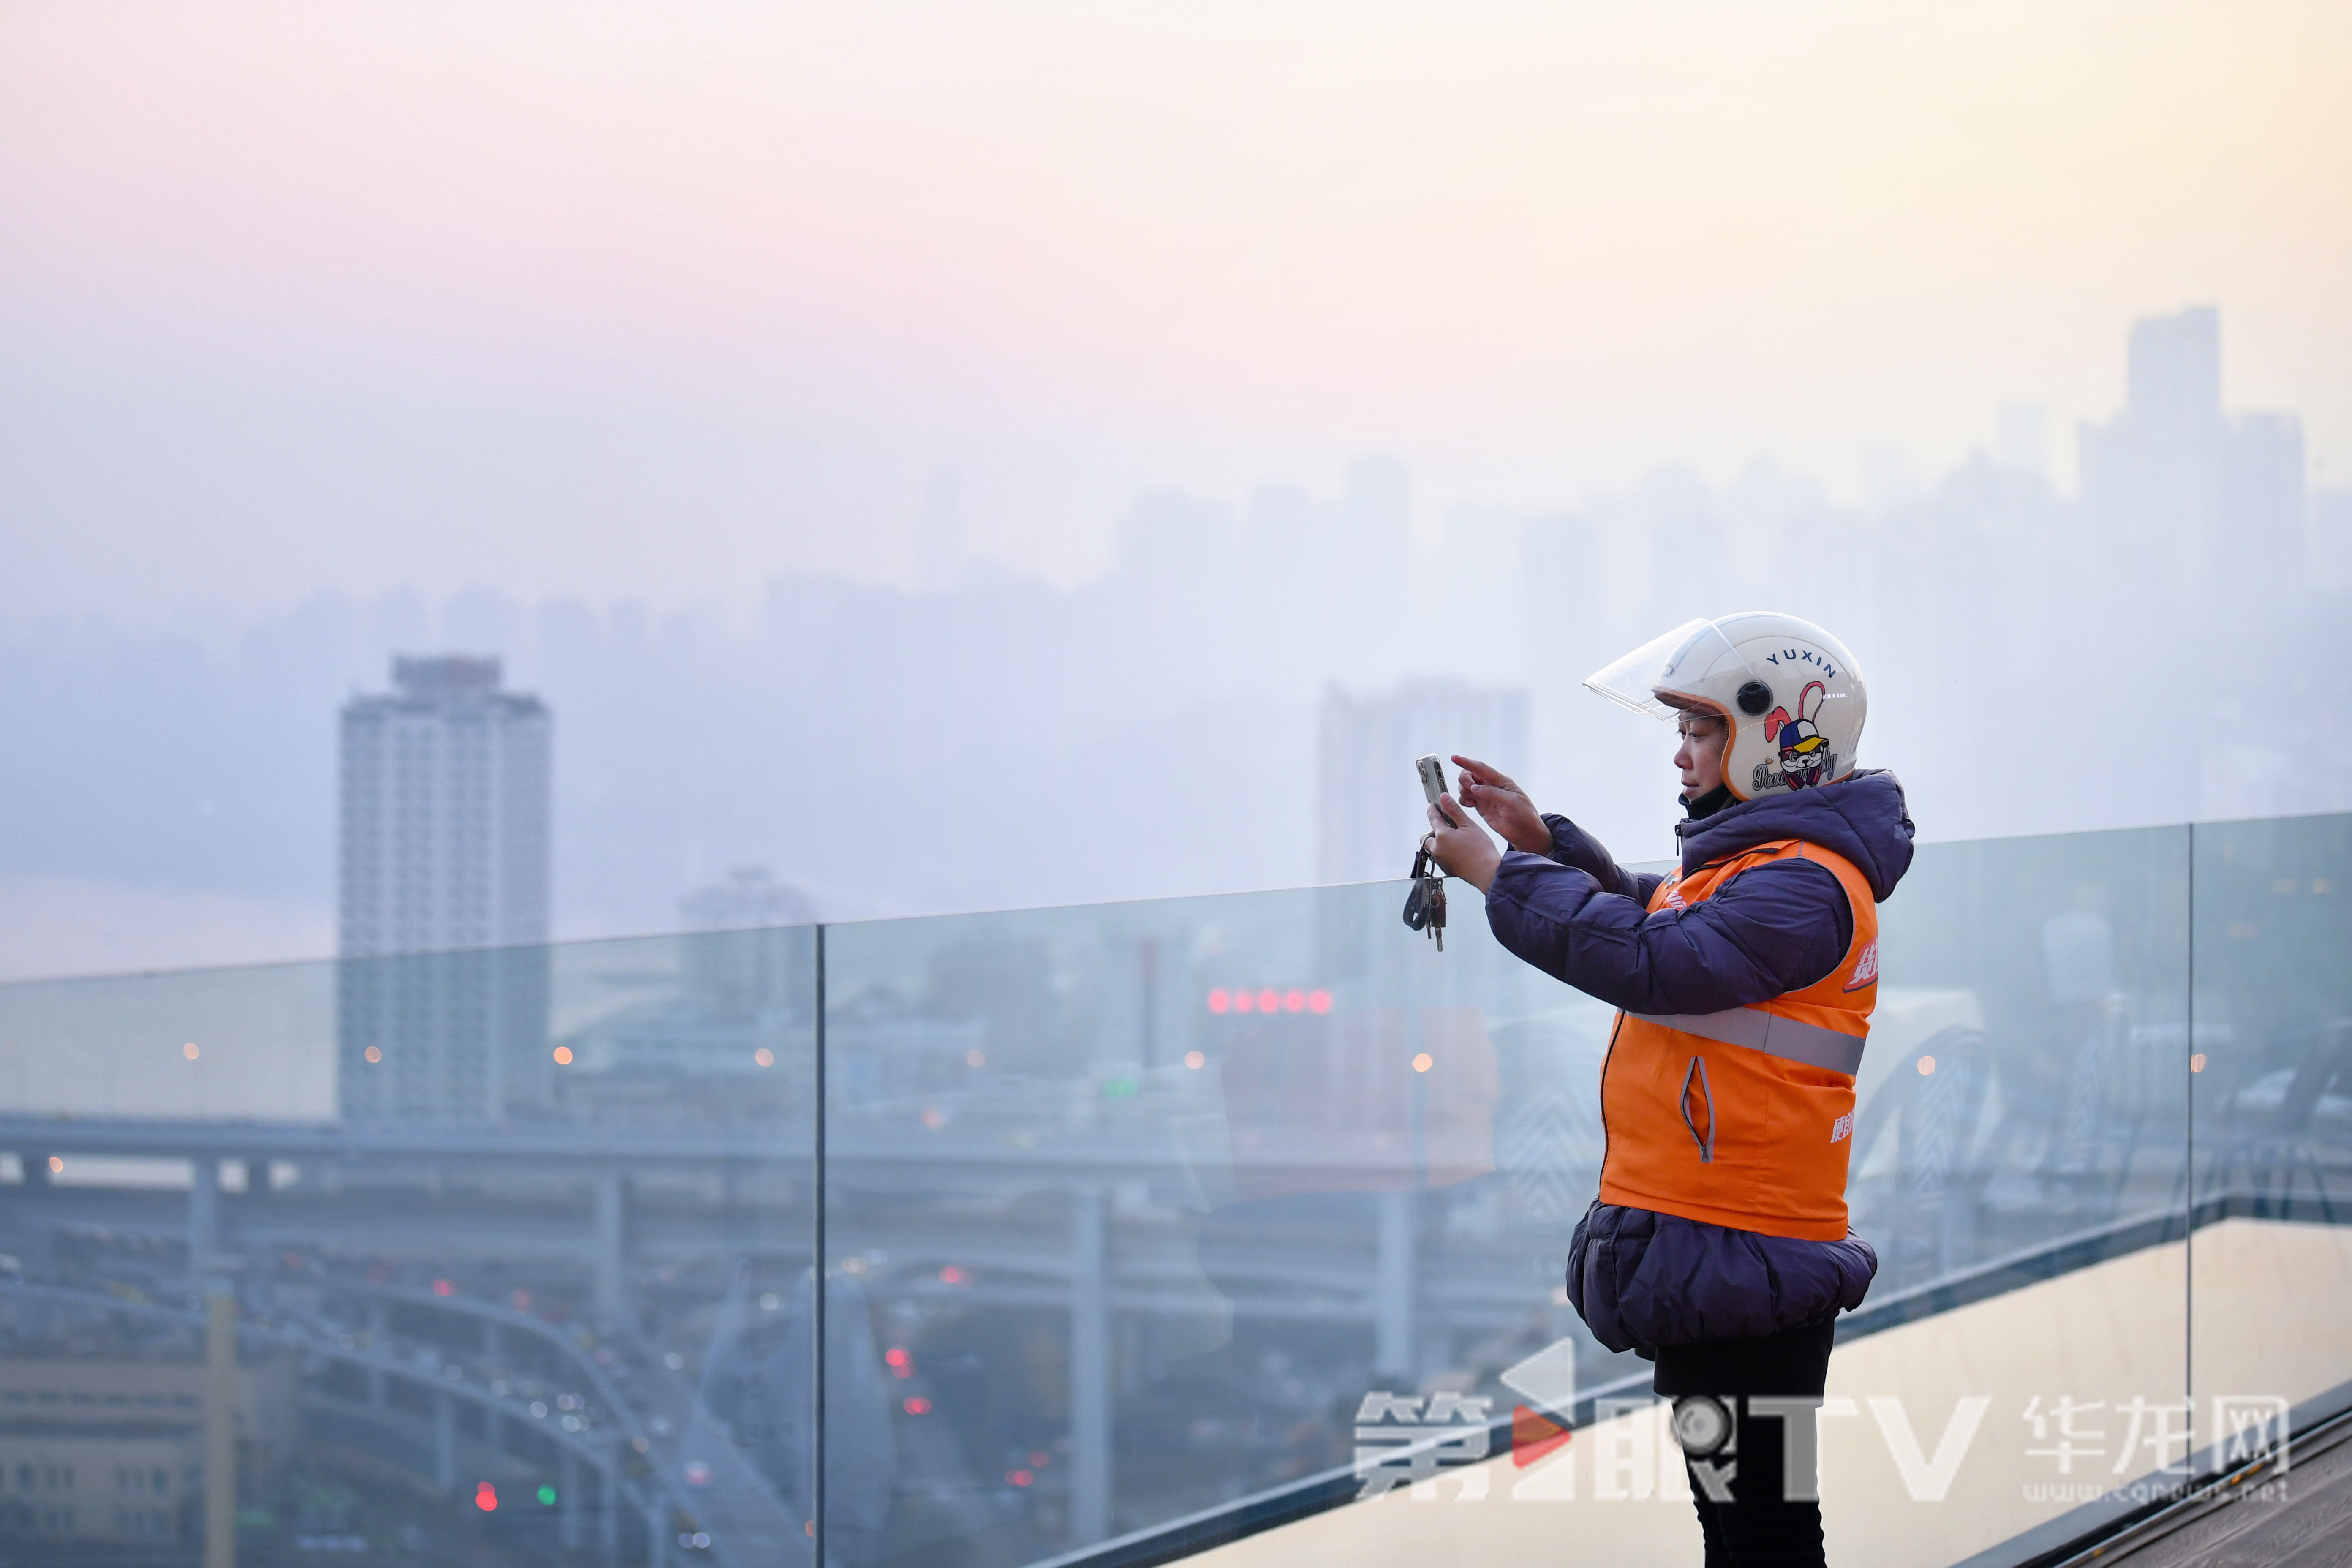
pixel 2103 1335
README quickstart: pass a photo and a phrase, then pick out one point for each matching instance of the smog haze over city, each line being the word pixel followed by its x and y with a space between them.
pixel 955 458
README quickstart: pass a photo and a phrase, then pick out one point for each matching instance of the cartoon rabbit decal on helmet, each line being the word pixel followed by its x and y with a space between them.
pixel 1804 752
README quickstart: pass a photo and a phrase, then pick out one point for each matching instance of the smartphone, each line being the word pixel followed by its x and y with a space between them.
pixel 1433 780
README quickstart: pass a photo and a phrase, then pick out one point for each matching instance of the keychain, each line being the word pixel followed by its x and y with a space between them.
pixel 1425 907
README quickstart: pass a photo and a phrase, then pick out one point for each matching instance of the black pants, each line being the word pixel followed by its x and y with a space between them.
pixel 1737 1454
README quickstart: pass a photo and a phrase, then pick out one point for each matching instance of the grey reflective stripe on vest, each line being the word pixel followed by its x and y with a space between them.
pixel 1767 1032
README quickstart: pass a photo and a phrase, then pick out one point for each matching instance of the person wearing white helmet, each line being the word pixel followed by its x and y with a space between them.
pixel 1719 1245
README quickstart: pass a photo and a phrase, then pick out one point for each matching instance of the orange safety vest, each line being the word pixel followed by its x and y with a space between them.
pixel 1744 1118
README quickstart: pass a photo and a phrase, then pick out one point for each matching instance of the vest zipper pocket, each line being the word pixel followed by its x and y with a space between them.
pixel 1697 1070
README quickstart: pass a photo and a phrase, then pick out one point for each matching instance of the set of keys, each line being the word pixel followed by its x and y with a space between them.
pixel 1425 907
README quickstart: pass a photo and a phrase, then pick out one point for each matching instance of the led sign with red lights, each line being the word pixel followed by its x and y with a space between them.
pixel 1269 1000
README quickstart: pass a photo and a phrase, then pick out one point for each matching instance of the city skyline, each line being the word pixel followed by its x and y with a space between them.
pixel 934 547
pixel 530 297
pixel 1179 690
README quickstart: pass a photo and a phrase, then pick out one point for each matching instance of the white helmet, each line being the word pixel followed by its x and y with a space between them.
pixel 1788 690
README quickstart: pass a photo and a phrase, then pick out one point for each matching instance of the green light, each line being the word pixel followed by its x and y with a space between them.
pixel 546 1495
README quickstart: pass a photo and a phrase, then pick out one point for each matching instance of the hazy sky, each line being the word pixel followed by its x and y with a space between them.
pixel 664 299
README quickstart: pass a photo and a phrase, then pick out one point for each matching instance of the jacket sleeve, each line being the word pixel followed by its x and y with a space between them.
pixel 1776 927
pixel 1571 846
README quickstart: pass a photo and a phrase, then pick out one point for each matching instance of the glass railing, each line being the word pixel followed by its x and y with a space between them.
pixel 1147 1229
pixel 2270 1265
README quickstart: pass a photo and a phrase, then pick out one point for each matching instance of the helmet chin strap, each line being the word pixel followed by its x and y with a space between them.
pixel 1703 806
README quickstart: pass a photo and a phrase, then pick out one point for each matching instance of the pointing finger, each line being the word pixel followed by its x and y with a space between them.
pixel 1483 773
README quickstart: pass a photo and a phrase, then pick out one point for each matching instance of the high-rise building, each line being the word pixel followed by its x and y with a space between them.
pixel 445 812
pixel 2331 539
pixel 443 996
pixel 729 968
pixel 2188 499
pixel 2021 438
pixel 1372 812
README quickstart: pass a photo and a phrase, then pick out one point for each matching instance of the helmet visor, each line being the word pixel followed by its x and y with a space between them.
pixel 1673 663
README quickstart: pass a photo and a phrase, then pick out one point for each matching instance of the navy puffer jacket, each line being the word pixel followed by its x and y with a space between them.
pixel 1641 1279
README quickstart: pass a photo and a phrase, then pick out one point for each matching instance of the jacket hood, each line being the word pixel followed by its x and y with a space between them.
pixel 1861 817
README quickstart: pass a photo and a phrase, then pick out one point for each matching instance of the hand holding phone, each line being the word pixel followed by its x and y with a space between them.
pixel 1494 796
pixel 1433 783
